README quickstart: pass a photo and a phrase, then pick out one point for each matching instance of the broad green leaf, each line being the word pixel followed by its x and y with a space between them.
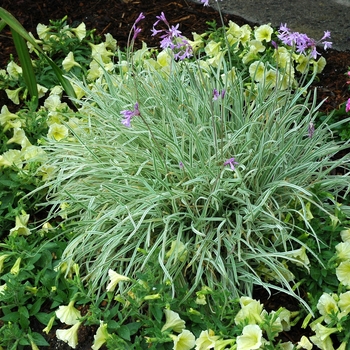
pixel 26 63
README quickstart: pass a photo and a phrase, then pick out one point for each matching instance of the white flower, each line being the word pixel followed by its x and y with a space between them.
pixel 101 336
pixel 69 335
pixel 327 307
pixel 68 314
pixel 173 321
pixel 115 279
pixel 184 341
pixel 250 339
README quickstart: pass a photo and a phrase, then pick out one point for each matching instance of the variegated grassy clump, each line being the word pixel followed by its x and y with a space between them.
pixel 207 179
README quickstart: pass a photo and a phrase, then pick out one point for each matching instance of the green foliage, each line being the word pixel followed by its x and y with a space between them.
pixel 238 228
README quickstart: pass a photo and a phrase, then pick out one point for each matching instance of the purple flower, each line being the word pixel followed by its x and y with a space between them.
pixel 172 38
pixel 217 94
pixel 301 41
pixel 139 18
pixel 129 114
pixel 347 108
pixel 231 162
pixel 137 30
pixel 205 2
pixel 181 165
pixel 311 130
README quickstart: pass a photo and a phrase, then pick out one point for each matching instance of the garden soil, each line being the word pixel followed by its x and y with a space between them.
pixel 116 17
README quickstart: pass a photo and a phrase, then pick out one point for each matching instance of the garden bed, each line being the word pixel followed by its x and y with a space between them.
pixel 116 17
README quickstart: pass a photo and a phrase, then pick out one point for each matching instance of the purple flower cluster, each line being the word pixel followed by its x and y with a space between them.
pixel 301 41
pixel 128 115
pixel 231 162
pixel 217 94
pixel 172 39
pixel 135 29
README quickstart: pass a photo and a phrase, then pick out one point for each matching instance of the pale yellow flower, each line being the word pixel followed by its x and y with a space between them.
pixel 101 336
pixel 43 31
pixel 287 345
pixel 70 335
pixel 57 132
pixel 299 254
pixel 68 314
pixel 206 340
pixel 322 337
pixel 14 70
pixel 217 60
pixel 2 260
pixel 230 76
pixel 47 329
pixel 344 303
pixel 320 64
pixel 69 62
pixel 164 59
pixel 246 33
pixel 345 235
pixel 304 343
pixel 343 251
pixel 13 95
pixel 99 52
pixel 197 42
pixel 11 158
pixel 80 31
pixel 7 118
pixel 53 103
pixel 212 48
pixel 15 268
pixel 255 46
pixel 327 307
pixel 115 279
pixel 177 250
pixel 20 138
pixel 173 321
pixel 184 341
pixel 257 71
pixel 303 64
pixel 21 223
pixel 111 43
pixel 250 339
pixel 263 32
pixel 250 311
pixel 3 288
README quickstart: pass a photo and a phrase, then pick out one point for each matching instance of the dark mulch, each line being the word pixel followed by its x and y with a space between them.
pixel 116 17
